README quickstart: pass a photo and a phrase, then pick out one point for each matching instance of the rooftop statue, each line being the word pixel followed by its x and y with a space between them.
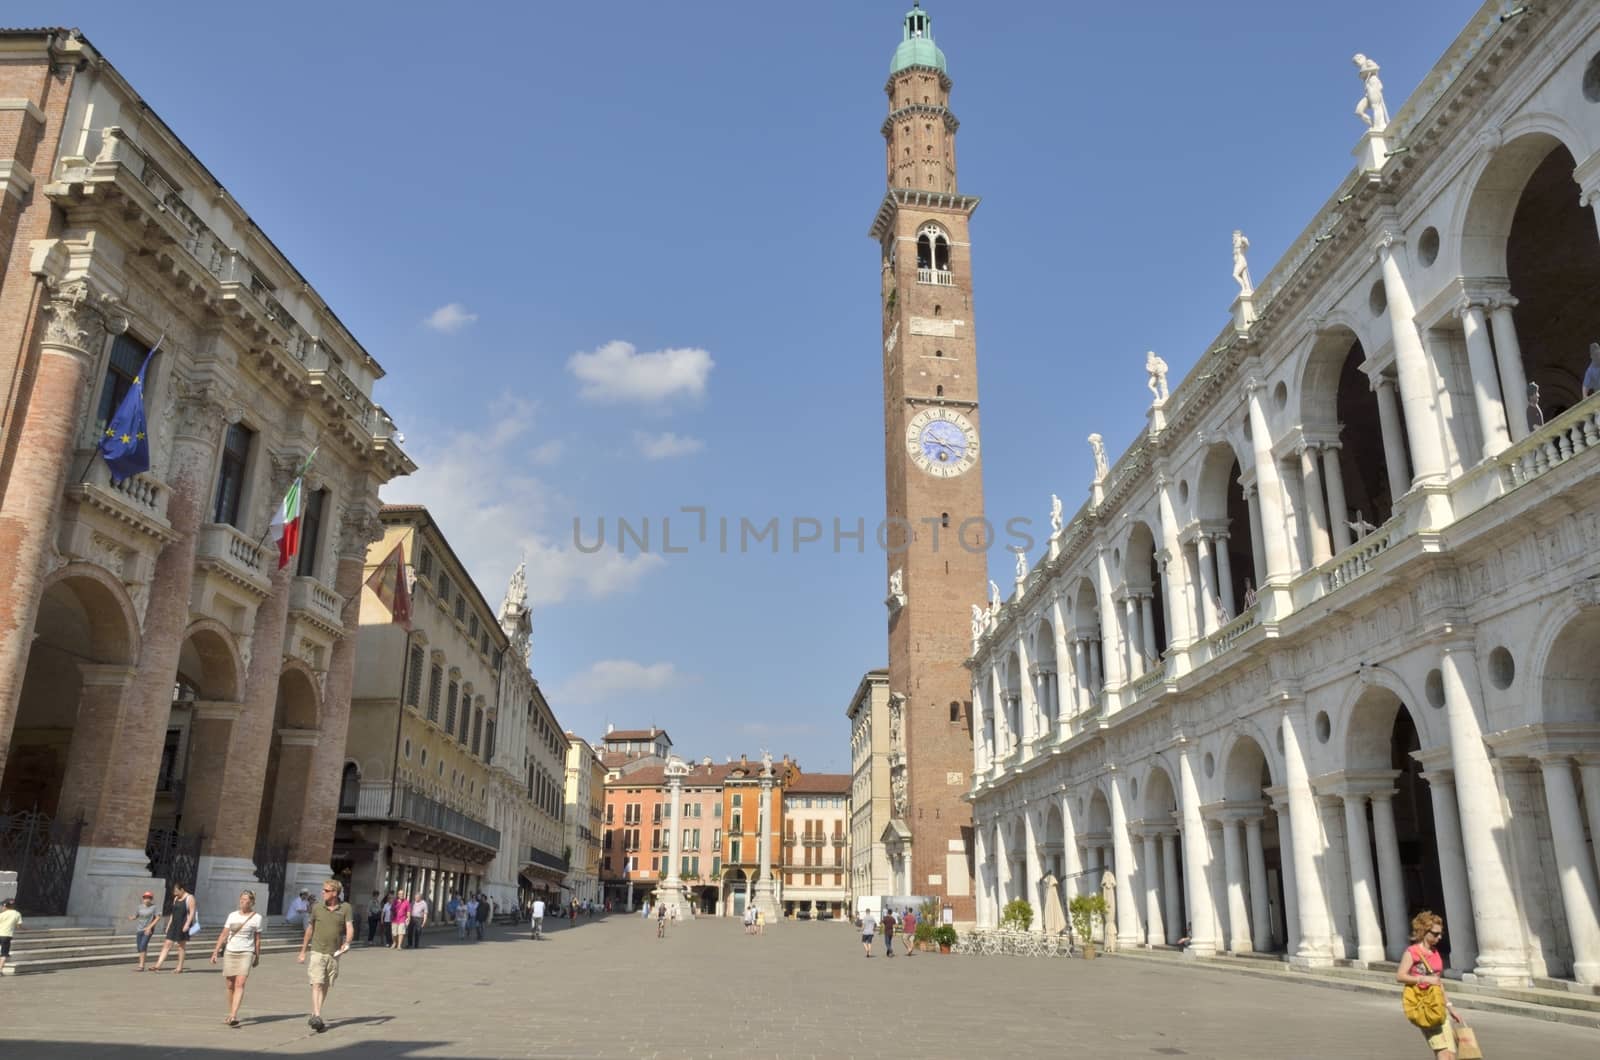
pixel 1372 95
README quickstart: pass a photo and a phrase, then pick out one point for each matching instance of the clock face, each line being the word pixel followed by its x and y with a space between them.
pixel 942 442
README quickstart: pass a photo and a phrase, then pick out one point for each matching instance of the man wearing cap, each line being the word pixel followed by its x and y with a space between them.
pixel 299 909
pixel 147 916
pixel 330 928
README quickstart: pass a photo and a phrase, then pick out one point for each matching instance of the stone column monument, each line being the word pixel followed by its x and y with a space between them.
pixel 671 889
pixel 766 896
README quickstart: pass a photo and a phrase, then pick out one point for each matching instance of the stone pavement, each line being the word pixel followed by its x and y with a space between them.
pixel 611 989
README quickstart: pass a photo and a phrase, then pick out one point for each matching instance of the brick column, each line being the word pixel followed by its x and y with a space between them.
pixel 228 854
pixel 73 334
pixel 94 740
pixel 312 846
pixel 115 840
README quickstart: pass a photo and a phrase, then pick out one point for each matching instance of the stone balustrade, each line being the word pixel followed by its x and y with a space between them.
pixel 1356 560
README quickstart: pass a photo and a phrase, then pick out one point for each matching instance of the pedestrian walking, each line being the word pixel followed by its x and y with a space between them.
pixel 183 921
pixel 374 916
pixel 388 920
pixel 9 919
pixel 761 921
pixel 452 912
pixel 869 927
pixel 661 920
pixel 1422 971
pixel 536 918
pixel 908 927
pixel 484 909
pixel 888 932
pixel 419 920
pixel 299 909
pixel 399 919
pixel 749 920
pixel 240 947
pixel 147 916
pixel 329 932
pixel 469 922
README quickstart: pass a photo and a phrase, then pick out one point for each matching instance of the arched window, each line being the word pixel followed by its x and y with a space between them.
pixel 933 255
pixel 349 788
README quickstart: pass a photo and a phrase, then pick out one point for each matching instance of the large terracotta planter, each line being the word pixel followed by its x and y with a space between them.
pixel 1088 952
pixel 944 947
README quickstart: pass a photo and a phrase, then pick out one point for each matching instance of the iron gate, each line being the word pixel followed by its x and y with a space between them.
pixel 272 869
pixel 174 857
pixel 42 852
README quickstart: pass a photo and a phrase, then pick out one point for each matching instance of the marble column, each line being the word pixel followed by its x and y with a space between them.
pixel 982 901
pixel 1177 595
pixel 1211 621
pixel 1394 450
pixel 1080 652
pixel 1111 653
pixel 767 894
pixel 1002 872
pixel 1508 354
pixel 1494 411
pixel 1315 948
pixel 1589 773
pixel 1364 896
pixel 1135 654
pixel 1452 869
pixel 1219 545
pixel 1031 870
pixel 1413 373
pixel 1128 912
pixel 1256 858
pixel 1391 884
pixel 1258 547
pixel 1580 892
pixel 1234 864
pixel 1338 510
pixel 671 890
pixel 1270 489
pixel 1501 957
pixel 1316 509
pixel 1097 677
pixel 1150 875
pixel 1196 859
pixel 1169 885
pixel 1291 893
pixel 1147 615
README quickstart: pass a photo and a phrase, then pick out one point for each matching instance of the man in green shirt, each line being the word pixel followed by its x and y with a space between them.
pixel 330 928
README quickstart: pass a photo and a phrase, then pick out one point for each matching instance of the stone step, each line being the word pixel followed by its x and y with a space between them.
pixel 120 951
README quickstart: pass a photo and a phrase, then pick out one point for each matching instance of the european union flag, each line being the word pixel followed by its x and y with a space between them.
pixel 125 446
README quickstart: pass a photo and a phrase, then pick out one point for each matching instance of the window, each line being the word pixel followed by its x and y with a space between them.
pixel 424 759
pixel 450 708
pixel 477 730
pixel 425 564
pixel 310 533
pixel 716 809
pixel 488 739
pixel 483 645
pixel 414 678
pixel 127 354
pixel 655 839
pixel 609 807
pixel 733 852
pixel 466 718
pixel 716 865
pixel 461 607
pixel 435 683
pixel 717 839
pixel 230 478
pixel 472 626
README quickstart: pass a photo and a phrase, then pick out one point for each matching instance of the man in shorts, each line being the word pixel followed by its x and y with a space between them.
pixel 330 928
pixel 538 917
pixel 869 928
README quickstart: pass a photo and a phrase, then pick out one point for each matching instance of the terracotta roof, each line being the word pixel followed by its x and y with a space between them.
pixel 635 734
pixel 819 784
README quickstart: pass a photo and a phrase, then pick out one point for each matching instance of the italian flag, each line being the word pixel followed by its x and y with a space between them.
pixel 286 523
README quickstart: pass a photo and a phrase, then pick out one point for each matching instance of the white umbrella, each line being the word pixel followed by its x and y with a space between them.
pixel 1055 917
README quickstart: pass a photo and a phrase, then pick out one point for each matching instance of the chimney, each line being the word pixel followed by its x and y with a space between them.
pixel 743 760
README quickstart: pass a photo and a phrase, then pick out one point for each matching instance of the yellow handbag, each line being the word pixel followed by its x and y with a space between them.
pixel 1424 1008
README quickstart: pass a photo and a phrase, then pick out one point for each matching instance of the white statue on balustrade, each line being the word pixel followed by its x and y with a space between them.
pixel 977 624
pixel 1360 526
pixel 1098 446
pixel 1055 515
pixel 994 597
pixel 1241 267
pixel 1371 109
pixel 1157 370
pixel 1022 564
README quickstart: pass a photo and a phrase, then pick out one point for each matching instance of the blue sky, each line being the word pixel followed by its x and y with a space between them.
pixel 614 260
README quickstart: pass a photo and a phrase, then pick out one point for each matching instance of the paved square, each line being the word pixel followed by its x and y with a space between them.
pixel 611 989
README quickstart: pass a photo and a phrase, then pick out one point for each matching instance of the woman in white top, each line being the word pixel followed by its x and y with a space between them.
pixel 240 946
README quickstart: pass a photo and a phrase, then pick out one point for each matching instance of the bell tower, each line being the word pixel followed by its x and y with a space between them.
pixel 936 536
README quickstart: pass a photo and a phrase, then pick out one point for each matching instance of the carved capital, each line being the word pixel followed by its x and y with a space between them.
pixel 359 527
pixel 285 462
pixel 1587 593
pixel 73 322
pixel 1384 241
pixel 199 409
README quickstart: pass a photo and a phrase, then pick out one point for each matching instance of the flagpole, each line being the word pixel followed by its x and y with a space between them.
pixel 145 367
pixel 300 474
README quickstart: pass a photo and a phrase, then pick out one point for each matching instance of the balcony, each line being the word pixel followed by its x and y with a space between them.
pixel 317 603
pixel 542 859
pixel 98 504
pixel 937 277
pixel 232 555
pixel 397 802
pixel 814 841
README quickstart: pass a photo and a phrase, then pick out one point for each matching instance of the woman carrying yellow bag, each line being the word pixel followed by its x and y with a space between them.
pixel 1421 970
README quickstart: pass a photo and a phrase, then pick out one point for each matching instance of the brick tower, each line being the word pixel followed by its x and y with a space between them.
pixel 937 539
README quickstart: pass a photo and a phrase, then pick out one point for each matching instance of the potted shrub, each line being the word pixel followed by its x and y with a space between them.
pixel 945 936
pixel 923 936
pixel 1017 915
pixel 930 913
pixel 1086 910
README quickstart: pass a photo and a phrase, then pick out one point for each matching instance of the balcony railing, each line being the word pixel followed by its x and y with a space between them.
pixel 547 860
pixel 937 277
pixel 312 597
pixel 1356 560
pixel 385 802
pixel 230 550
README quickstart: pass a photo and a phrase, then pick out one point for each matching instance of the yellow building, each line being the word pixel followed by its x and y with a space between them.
pixel 414 804
pixel 585 808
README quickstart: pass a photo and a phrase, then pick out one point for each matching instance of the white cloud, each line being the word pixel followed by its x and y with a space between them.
pixel 478 486
pixel 610 678
pixel 450 318
pixel 617 373
pixel 667 445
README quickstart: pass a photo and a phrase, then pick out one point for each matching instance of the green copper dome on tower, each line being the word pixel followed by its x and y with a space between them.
pixel 917 49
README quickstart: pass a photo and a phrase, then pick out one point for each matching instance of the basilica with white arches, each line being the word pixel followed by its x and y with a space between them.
pixel 1322 649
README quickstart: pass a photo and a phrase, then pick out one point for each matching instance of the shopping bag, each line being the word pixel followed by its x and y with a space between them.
pixel 1467 1047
